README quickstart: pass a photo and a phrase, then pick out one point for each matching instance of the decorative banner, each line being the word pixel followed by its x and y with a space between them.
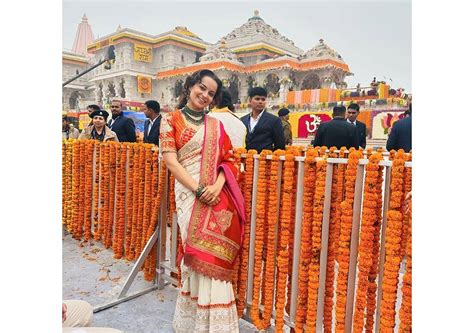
pixel 84 120
pixel 142 53
pixel 304 124
pixel 382 123
pixel 138 118
pixel 313 96
pixel 144 84
pixel 383 90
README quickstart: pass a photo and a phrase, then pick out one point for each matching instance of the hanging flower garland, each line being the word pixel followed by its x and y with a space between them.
pixel 318 208
pixel 100 198
pixel 405 309
pixel 241 181
pixel 373 273
pixel 71 188
pixel 392 246
pixel 148 195
pixel 407 187
pixel 333 239
pixel 130 195
pixel 150 261
pixel 265 228
pixel 88 190
pixel 343 252
pixel 259 239
pixel 306 243
pixel 284 240
pixel 366 241
pixel 296 151
pixel 67 186
pixel 95 198
pixel 242 288
pixel 111 183
pixel 119 232
pixel 79 221
pixel 141 202
pixel 64 182
pixel 136 184
pixel 369 152
pixel 272 222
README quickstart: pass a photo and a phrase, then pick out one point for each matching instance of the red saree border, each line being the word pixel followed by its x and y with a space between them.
pixel 206 252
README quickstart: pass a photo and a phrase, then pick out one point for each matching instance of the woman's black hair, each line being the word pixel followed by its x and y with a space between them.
pixel 226 100
pixel 196 78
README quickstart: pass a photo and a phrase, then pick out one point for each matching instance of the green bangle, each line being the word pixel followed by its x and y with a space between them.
pixel 199 190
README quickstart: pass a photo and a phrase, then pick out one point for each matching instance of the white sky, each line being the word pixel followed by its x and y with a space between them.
pixel 373 37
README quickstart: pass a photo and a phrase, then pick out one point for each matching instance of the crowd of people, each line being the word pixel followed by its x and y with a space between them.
pixel 197 148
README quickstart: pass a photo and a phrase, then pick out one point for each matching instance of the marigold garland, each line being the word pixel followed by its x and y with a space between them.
pixel 306 243
pixel 291 230
pixel 259 240
pixel 150 261
pixel 374 269
pixel 141 202
pixel 337 195
pixel 318 208
pixel 67 187
pixel 272 222
pixel 112 181
pixel 366 242
pixel 129 204
pixel 64 181
pixel 392 246
pixel 88 190
pixel 407 187
pixel 241 181
pixel 119 232
pixel 136 195
pixel 284 240
pixel 148 195
pixel 405 309
pixel 95 198
pixel 247 192
pixel 343 252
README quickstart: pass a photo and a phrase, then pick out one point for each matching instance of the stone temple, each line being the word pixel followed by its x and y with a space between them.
pixel 155 66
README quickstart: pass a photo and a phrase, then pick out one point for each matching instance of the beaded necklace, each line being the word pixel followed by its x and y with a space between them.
pixel 194 117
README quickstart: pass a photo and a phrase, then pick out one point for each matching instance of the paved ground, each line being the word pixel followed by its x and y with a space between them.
pixel 91 273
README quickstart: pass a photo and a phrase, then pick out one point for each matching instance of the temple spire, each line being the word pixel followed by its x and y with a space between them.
pixel 84 37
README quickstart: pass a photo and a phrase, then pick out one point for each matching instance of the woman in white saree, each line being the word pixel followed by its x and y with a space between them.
pixel 198 152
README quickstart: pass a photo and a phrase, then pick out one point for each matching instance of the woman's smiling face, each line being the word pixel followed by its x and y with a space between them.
pixel 202 94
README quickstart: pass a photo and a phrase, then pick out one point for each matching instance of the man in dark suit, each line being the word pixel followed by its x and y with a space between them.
pixel 400 135
pixel 264 130
pixel 352 113
pixel 123 126
pixel 337 132
pixel 152 124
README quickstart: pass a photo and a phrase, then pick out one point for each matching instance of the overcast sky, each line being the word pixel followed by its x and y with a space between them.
pixel 373 37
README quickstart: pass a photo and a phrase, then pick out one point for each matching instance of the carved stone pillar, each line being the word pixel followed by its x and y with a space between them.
pixel 326 82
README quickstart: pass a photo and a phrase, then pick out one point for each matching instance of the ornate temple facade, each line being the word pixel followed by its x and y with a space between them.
pixel 155 66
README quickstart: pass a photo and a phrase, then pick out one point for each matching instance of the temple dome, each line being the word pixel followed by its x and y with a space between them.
pixel 322 51
pixel 257 26
pixel 219 51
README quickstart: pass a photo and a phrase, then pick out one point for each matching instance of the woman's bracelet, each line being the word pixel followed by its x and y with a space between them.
pixel 200 190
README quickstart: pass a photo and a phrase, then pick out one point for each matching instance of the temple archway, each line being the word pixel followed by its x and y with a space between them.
pixel 272 84
pixel 178 88
pixel 234 85
pixel 311 81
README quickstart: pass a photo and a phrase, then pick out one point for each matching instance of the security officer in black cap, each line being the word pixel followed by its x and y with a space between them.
pixel 284 115
pixel 98 130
